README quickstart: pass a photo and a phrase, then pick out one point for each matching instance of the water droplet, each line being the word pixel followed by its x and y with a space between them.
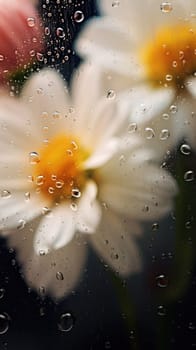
pixel 173 109
pixel 164 134
pixel 149 132
pixel 162 281
pixel 59 184
pixel 39 56
pixel 76 193
pixel 27 196
pixel 5 194
pixel 59 276
pixel 2 293
pixel 115 3
pixel 165 116
pixel 43 252
pixel 39 180
pixel 1 58
pixel 60 32
pixel 31 21
pixel 51 190
pixel 155 226
pixel 111 94
pixel 21 224
pixel 161 311
pixel 66 322
pixel 185 149
pixel 42 290
pixel 132 127
pixel 78 16
pixel 166 7
pixel 169 77
pixel 34 158
pixel 4 322
pixel 47 31
pixel 189 176
pixel 46 211
pixel 74 206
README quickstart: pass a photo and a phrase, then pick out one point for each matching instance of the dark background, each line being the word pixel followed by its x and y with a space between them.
pixel 105 312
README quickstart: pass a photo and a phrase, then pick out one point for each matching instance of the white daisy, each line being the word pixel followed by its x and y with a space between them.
pixel 69 166
pixel 151 48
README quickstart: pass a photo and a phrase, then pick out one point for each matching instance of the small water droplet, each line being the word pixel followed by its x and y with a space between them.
pixel 60 32
pixel 132 127
pixel 76 193
pixel 161 310
pixel 59 184
pixel 78 16
pixel 59 276
pixel 166 7
pixel 66 322
pixel 47 31
pixel 1 58
pixel 185 149
pixel 169 77
pixel 164 134
pixel 173 109
pixel 34 158
pixel 115 3
pixel 31 21
pixel 4 322
pixel 111 94
pixel 165 116
pixel 162 281
pixel 189 176
pixel 21 224
pixel 2 293
pixel 149 132
pixel 39 180
pixel 5 194
pixel 155 226
pixel 74 206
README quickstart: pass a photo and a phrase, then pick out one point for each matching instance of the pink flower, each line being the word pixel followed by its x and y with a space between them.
pixel 20 35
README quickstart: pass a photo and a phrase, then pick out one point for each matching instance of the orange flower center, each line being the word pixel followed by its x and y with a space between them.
pixel 57 169
pixel 171 56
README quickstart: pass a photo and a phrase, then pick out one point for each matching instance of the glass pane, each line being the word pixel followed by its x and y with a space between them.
pixel 97 174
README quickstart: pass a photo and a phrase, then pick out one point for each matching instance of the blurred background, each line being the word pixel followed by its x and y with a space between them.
pixel 155 309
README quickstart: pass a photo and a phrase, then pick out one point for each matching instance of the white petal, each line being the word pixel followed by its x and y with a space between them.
pixel 114 244
pixel 143 193
pixel 88 214
pixel 108 43
pixel 46 94
pixel 102 154
pixel 15 211
pixel 55 230
pixel 45 272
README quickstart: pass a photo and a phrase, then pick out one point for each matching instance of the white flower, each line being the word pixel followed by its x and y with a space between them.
pixel 68 165
pixel 151 47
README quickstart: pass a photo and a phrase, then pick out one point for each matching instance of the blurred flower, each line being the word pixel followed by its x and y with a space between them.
pixel 21 35
pixel 69 163
pixel 151 49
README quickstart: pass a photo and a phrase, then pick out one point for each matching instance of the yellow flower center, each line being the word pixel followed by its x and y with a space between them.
pixel 58 168
pixel 171 56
